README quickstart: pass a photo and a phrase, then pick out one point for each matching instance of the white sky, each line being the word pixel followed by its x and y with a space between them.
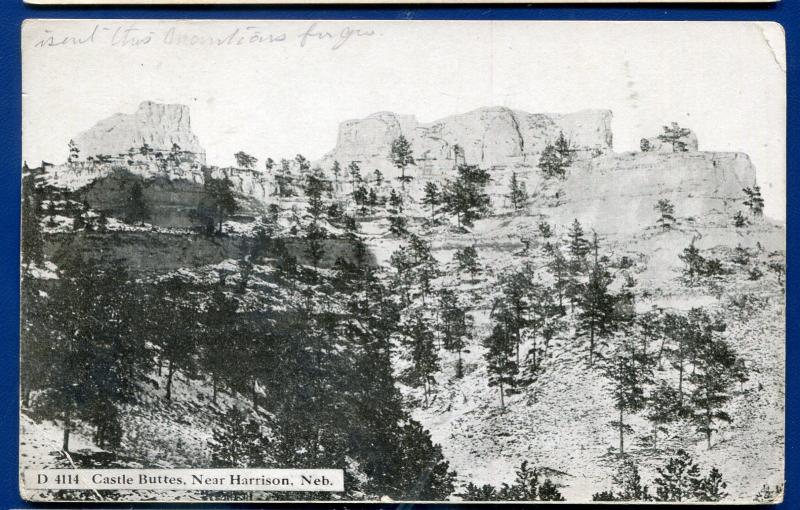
pixel 726 81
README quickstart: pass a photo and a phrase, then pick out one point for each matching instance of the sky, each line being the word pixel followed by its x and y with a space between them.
pixel 278 88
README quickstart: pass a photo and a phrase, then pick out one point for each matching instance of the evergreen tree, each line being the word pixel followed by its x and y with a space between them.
pixel 336 170
pixel 500 357
pixel 518 194
pixel 424 359
pixel 680 480
pixel 314 189
pixel 674 135
pixel 432 198
pixel 754 200
pixel 244 160
pixel 629 372
pixel 397 225
pixel 303 165
pixel 467 259
pixel 217 203
pixel 395 202
pixel 629 483
pixel 667 214
pixel 473 492
pixel 426 475
pixel 597 316
pixel 136 208
pixel 355 174
pixel 664 406
pixel 695 263
pixel 32 241
pixel 315 248
pixel 739 220
pixel 378 177
pixel 74 152
pixel 556 158
pixel 466 196
pixel 578 246
pixel 402 156
pixel 714 374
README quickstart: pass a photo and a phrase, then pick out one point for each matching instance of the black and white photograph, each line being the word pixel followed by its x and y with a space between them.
pixel 460 261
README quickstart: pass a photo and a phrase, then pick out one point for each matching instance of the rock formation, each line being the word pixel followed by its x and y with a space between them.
pixel 165 128
pixel 489 137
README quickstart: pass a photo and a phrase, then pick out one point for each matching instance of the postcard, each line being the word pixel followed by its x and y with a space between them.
pixel 272 260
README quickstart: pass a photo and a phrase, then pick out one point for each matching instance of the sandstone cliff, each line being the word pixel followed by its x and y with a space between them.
pixel 489 137
pixel 160 126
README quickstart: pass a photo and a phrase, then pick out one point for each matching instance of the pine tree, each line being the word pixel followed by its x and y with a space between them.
pixel 32 241
pixel 680 480
pixel 739 220
pixel 754 200
pixel 402 156
pixel 314 189
pixel 432 198
pixel 74 152
pixel 629 483
pixel 556 158
pixel 336 170
pixel 673 135
pixel 549 492
pixel 395 202
pixel 629 372
pixel 424 358
pixel 315 248
pixel 500 357
pixel 677 329
pixel 424 473
pixel 664 407
pixel 355 174
pixel 136 208
pixel 378 177
pixel 244 160
pixel 518 193
pixel 303 164
pixel 597 316
pixel 466 196
pixel 713 376
pixel 578 246
pixel 667 214
pixel 695 263
pixel 467 259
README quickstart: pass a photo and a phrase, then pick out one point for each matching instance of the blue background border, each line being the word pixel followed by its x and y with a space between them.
pixel 13 12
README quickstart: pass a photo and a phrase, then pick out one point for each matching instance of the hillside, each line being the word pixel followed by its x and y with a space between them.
pixel 543 245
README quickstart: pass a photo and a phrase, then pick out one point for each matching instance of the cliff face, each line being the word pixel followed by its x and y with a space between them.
pixel 619 191
pixel 160 126
pixel 489 137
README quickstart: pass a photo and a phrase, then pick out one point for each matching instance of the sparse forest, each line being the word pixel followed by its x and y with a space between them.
pixel 332 325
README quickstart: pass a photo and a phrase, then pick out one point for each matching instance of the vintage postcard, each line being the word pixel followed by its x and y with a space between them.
pixel 402 261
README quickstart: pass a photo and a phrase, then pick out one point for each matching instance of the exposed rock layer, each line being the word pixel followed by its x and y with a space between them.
pixel 488 137
pixel 160 126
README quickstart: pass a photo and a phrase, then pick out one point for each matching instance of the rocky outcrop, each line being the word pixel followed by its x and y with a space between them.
pixel 488 137
pixel 164 128
pixel 618 193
